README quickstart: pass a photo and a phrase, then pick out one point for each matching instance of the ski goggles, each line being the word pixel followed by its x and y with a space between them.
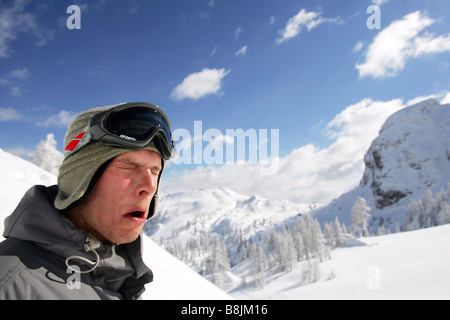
pixel 131 126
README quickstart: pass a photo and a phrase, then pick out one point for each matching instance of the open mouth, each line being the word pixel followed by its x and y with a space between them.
pixel 138 216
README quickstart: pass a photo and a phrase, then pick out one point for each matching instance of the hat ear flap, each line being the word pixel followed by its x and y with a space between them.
pixel 153 205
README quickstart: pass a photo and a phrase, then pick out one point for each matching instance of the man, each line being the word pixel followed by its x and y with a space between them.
pixel 81 238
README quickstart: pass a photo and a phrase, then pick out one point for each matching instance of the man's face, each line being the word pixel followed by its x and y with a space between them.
pixel 117 207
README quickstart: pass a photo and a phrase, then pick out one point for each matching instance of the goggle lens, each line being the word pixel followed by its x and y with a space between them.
pixel 138 123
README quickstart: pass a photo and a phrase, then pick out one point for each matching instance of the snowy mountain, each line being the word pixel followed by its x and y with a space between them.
pixel 217 210
pixel 410 156
pixel 173 280
pixel 196 216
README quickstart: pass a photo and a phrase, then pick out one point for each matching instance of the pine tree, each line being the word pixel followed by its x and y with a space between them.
pixel 445 212
pixel 256 257
pixel 272 250
pixel 329 236
pixel 219 261
pixel 338 231
pixel 360 217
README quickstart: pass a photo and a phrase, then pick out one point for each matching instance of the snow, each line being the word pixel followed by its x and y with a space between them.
pixel 173 280
pixel 408 265
pixel 17 176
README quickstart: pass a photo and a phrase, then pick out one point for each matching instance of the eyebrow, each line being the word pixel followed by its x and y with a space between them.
pixel 139 164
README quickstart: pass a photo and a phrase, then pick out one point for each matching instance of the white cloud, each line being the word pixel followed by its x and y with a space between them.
pixel 61 119
pixel 21 152
pixel 358 46
pixel 213 52
pixel 379 2
pixel 309 173
pixel 397 43
pixel 200 84
pixel 14 79
pixel 19 74
pixel 14 20
pixel 237 33
pixel 271 20
pixel 242 52
pixel 9 114
pixel 16 91
pixel 303 18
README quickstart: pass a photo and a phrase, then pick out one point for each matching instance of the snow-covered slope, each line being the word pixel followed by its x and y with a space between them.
pixel 172 279
pixel 410 155
pixel 17 176
pixel 407 265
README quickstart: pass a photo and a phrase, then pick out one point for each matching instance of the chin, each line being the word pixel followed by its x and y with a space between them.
pixel 126 239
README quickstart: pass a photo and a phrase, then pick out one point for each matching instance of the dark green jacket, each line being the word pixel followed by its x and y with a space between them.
pixel 33 258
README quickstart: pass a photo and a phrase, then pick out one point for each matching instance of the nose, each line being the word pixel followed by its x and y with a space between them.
pixel 148 183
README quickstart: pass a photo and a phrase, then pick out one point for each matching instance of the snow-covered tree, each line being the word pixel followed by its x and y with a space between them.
pixel 429 210
pixel 311 272
pixel 47 156
pixel 360 217
pixel 256 256
pixel 338 232
pixel 445 212
pixel 333 234
pixel 219 261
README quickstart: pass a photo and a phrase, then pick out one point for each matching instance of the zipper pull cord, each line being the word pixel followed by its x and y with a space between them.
pixel 90 245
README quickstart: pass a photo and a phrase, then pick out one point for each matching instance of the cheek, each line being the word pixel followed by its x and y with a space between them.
pixel 114 183
pixel 108 192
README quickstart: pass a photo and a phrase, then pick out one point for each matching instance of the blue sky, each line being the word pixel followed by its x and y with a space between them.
pixel 311 69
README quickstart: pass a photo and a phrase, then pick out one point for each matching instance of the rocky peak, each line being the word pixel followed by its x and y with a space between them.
pixel 411 153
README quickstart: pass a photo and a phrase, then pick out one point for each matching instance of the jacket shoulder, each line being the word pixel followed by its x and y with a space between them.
pixel 16 253
pixel 16 256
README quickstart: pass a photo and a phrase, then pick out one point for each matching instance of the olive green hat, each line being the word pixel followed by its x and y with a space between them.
pixel 77 171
